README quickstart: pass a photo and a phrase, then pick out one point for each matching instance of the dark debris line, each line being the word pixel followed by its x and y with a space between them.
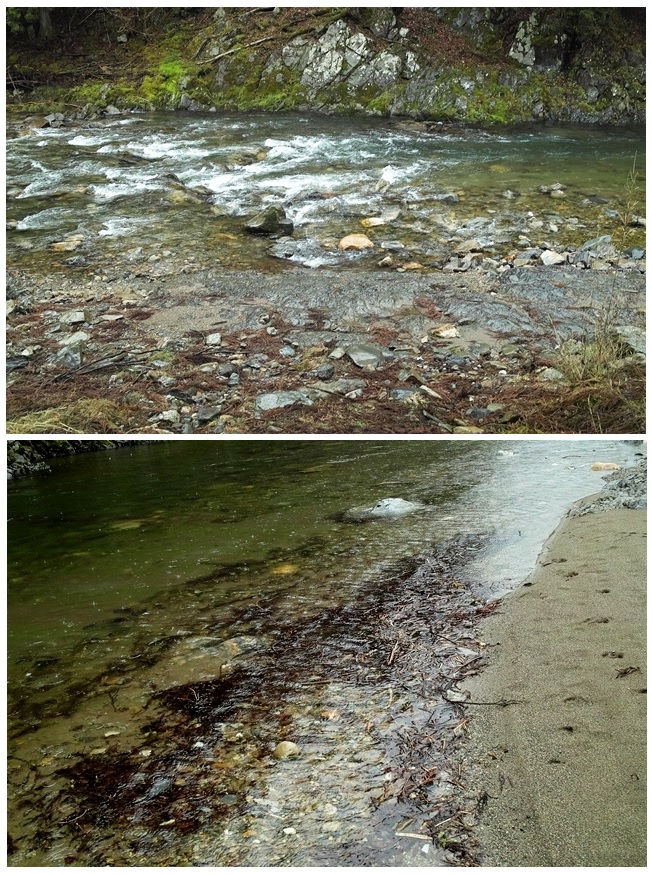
pixel 404 644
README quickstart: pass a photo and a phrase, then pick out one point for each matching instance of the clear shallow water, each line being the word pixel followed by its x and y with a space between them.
pixel 126 566
pixel 117 527
pixel 112 178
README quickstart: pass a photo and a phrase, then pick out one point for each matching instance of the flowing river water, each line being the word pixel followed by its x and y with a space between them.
pixel 177 609
pixel 147 186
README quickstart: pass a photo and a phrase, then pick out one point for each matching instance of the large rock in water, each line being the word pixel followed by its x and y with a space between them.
pixel 386 508
pixel 271 221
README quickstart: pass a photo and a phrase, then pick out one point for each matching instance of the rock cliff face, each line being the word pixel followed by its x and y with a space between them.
pixel 474 64
pixel 469 65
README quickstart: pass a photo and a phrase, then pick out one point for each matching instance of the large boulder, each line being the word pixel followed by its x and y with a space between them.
pixel 385 508
pixel 271 221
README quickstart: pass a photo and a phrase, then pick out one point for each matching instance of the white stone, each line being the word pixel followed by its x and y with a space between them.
pixel 74 316
pixel 170 416
pixel 77 337
pixel 548 257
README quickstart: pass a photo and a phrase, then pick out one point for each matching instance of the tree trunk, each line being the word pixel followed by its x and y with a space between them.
pixel 45 26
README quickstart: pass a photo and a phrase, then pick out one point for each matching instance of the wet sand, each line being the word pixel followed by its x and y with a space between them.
pixel 564 767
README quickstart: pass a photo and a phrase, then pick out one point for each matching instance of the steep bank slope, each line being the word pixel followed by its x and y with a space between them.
pixel 474 65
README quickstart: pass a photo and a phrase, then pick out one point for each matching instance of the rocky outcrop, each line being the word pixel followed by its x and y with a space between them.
pixel 479 65
pixel 372 61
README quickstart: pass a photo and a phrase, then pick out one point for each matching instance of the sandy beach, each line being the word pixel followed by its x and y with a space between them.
pixel 563 766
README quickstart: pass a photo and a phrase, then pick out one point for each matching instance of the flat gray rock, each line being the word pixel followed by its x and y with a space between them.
pixel 274 400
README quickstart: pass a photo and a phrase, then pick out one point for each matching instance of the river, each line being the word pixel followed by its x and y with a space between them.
pixel 178 608
pixel 147 186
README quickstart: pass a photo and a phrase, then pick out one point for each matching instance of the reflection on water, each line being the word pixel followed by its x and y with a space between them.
pixel 169 569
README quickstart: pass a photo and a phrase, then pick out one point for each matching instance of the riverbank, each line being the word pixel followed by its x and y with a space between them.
pixel 475 65
pixel 179 348
pixel 561 767
pixel 25 458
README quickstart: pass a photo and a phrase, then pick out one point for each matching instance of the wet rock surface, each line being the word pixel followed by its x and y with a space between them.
pixel 623 489
pixel 384 509
pixel 199 350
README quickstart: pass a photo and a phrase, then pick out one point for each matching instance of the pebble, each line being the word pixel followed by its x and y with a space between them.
pixel 324 372
pixel 74 316
pixel 548 257
pixel 71 356
pixel 72 339
pixel 372 222
pixel 550 374
pixel 356 242
pixel 286 750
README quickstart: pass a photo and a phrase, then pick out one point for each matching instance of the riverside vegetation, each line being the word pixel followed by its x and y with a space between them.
pixel 464 266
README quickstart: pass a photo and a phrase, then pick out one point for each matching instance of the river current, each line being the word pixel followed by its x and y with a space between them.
pixel 176 565
pixel 145 186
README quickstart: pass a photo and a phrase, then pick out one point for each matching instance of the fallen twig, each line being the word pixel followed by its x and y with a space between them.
pixel 503 703
pixel 442 822
pixel 392 655
pixel 106 362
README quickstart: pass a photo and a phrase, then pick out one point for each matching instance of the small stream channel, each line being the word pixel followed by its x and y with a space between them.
pixel 178 609
pixel 146 186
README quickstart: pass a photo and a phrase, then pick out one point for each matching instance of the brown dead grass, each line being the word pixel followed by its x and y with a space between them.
pixel 86 416
pixel 613 407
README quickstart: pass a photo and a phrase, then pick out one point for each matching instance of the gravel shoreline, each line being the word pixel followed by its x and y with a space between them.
pixel 300 352
pixel 561 771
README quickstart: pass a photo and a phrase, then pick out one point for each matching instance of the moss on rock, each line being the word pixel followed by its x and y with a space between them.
pixel 457 65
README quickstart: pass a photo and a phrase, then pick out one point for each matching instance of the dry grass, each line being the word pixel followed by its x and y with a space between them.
pixel 614 403
pixel 597 362
pixel 86 416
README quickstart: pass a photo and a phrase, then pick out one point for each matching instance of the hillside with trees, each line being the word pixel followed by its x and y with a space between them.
pixel 467 64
